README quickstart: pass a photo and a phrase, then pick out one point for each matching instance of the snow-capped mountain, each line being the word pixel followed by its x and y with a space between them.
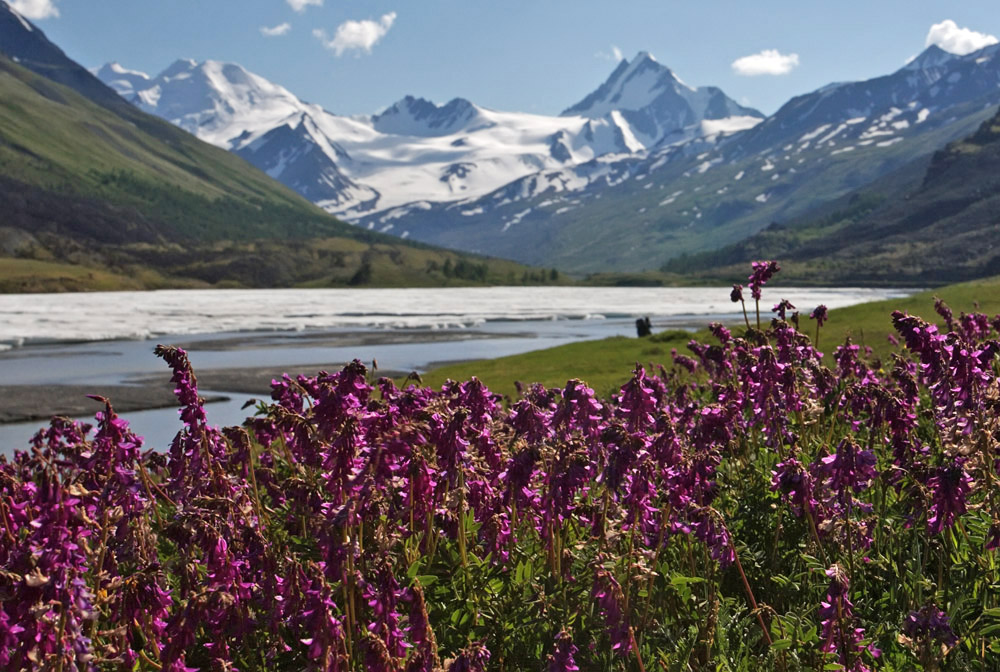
pixel 211 100
pixel 298 153
pixel 416 151
pixel 642 169
pixel 880 107
pixel 635 211
pixel 124 81
pixel 656 103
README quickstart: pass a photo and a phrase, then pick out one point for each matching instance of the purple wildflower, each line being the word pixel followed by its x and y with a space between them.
pixel 707 527
pixel 930 623
pixel 421 634
pixel 472 658
pixel 382 599
pixel 782 307
pixel 795 484
pixel 942 309
pixel 563 650
pixel 993 537
pixel 848 469
pixel 610 600
pixel 683 361
pixel 928 633
pixel 763 271
pixel 836 631
pixel 950 485
pixel 819 314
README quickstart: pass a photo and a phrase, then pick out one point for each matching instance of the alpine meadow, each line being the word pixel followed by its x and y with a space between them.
pixel 380 375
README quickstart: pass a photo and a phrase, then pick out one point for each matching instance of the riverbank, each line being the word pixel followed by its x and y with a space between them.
pixel 606 364
pixel 239 341
pixel 25 403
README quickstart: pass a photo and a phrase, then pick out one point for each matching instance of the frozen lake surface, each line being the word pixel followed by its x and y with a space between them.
pixel 35 318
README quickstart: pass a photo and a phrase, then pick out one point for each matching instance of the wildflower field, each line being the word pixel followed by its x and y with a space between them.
pixel 744 506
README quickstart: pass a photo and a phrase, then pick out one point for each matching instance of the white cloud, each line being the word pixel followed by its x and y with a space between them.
pixel 356 35
pixel 615 55
pixel 955 40
pixel 767 62
pixel 300 5
pixel 35 9
pixel 280 29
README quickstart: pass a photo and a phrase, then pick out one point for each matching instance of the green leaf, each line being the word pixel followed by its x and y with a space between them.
pixel 519 572
pixel 781 644
pixel 783 581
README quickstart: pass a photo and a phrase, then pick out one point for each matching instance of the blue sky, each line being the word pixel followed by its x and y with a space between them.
pixel 357 56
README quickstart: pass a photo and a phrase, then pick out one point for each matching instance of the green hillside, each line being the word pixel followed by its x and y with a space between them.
pixel 55 139
pixel 96 198
pixel 930 223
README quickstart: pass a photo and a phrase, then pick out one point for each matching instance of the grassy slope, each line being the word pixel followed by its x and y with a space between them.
pixel 939 228
pixel 54 138
pixel 607 364
pixel 33 275
pixel 95 199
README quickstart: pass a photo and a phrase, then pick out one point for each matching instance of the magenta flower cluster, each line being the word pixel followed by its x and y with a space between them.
pixel 353 524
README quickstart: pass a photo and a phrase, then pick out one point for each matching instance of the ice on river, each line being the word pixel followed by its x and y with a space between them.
pixel 48 318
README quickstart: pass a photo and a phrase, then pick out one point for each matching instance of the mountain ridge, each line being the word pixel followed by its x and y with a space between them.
pixel 628 213
pixel 943 229
pixel 413 151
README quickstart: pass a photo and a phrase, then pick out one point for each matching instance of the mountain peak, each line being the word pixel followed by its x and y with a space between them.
pixel 631 86
pixel 419 103
pixel 931 57
pixel 114 68
pixel 421 117
pixel 27 44
pixel 126 82
pixel 654 101
pixel 17 15
pixel 180 66
pixel 206 98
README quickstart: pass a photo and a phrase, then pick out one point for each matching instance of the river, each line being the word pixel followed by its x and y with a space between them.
pixel 108 337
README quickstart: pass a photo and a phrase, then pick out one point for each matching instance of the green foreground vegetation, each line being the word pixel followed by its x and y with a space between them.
pixel 747 509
